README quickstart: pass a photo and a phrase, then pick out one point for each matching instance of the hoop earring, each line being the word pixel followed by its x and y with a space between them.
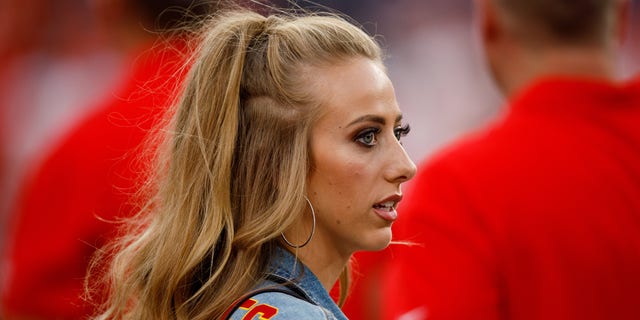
pixel 313 229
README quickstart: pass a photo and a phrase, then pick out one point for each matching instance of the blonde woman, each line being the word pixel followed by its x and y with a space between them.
pixel 285 158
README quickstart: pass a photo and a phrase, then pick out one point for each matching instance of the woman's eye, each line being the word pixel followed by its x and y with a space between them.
pixel 368 137
pixel 401 131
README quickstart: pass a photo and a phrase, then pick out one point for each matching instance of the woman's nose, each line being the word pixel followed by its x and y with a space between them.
pixel 400 167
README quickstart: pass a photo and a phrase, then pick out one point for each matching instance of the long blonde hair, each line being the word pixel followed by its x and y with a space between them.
pixel 232 176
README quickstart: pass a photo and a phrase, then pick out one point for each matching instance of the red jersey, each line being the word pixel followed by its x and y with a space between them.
pixel 536 217
pixel 69 208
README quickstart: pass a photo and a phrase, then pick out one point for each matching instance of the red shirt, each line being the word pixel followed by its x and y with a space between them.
pixel 537 217
pixel 68 209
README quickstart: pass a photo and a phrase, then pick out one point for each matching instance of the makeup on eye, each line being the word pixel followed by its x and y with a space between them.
pixel 368 137
pixel 402 131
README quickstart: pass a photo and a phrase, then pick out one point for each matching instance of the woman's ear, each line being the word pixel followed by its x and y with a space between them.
pixel 622 19
pixel 488 22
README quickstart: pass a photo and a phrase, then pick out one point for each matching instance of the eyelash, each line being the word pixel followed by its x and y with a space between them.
pixel 398 132
pixel 402 131
pixel 360 137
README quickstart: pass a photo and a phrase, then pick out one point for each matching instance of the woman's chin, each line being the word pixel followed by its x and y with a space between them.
pixel 379 240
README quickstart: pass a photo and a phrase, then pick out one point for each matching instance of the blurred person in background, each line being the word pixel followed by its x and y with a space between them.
pixel 67 206
pixel 52 53
pixel 538 215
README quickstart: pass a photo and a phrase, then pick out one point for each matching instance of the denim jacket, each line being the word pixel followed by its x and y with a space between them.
pixel 313 301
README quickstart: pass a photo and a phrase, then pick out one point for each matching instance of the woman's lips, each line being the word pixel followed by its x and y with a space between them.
pixel 387 209
pixel 386 214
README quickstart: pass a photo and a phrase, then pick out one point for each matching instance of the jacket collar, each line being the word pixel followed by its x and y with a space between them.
pixel 286 266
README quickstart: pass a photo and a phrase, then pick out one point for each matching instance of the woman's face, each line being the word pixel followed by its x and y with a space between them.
pixel 358 162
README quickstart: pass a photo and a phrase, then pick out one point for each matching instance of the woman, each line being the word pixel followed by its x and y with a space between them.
pixel 284 160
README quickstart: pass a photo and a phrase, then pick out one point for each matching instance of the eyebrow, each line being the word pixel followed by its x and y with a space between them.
pixel 373 118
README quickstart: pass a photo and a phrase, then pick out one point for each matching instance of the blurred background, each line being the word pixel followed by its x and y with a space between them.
pixel 62 59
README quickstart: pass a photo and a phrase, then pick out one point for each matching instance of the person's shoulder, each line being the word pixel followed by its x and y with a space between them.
pixel 480 149
pixel 469 148
pixel 279 306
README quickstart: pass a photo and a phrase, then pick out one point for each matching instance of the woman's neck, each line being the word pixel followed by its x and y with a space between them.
pixel 325 263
